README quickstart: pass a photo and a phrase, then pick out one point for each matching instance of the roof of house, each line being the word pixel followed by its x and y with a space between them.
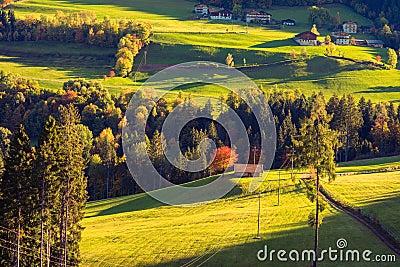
pixel 289 20
pixel 248 168
pixel 200 6
pixel 375 42
pixel 350 22
pixel 308 35
pixel 340 34
pixel 224 13
pixel 258 12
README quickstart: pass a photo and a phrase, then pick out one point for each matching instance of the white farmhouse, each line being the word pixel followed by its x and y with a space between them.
pixel 350 27
pixel 221 15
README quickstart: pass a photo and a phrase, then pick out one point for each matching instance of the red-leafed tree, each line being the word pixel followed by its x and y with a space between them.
pixel 5 3
pixel 224 157
pixel 69 97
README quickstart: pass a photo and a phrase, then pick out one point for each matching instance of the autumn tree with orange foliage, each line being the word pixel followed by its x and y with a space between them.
pixel 5 3
pixel 224 157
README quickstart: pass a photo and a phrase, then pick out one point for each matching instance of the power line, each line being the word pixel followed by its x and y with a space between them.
pixel 15 244
pixel 215 249
pixel 36 241
pixel 28 236
pixel 33 255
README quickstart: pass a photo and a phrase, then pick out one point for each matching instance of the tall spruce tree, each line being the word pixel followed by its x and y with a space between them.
pixel 72 184
pixel 47 171
pixel 18 205
pixel 350 123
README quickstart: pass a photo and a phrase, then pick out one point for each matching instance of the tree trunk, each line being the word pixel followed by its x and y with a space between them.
pixel 61 248
pixel 41 224
pixel 346 155
pixel 108 178
pixel 66 237
pixel 18 237
pixel 48 248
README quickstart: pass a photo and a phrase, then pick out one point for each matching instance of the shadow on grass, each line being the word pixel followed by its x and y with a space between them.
pixel 74 65
pixel 276 43
pixel 144 201
pixel 158 7
pixel 381 89
pixel 295 236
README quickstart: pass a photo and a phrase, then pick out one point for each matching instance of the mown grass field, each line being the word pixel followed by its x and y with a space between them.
pixel 52 63
pixel 138 231
pixel 369 164
pixel 375 194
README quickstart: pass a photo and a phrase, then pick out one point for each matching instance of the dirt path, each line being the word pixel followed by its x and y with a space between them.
pixel 382 237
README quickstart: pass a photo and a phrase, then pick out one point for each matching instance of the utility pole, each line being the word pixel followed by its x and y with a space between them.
pixel 41 222
pixel 279 186
pixel 292 160
pixel 254 154
pixel 19 236
pixel 316 122
pixel 145 56
pixel 48 247
pixel 259 214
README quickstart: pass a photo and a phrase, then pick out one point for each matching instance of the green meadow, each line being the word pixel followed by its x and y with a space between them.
pixel 375 194
pixel 137 230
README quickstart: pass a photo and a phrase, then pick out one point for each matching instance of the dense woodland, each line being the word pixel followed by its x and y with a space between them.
pixel 365 129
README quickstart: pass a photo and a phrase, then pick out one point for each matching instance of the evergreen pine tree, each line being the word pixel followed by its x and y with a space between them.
pixel 46 169
pixel 18 206
pixel 72 184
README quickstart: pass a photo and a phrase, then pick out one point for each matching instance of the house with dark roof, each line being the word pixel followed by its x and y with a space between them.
pixel 375 43
pixel 341 38
pixel 255 16
pixel 249 170
pixel 359 42
pixel 307 38
pixel 289 22
pixel 221 15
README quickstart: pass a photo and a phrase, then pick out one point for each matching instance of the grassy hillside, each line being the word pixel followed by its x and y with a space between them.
pixel 375 194
pixel 137 230
pixel 52 63
pixel 369 164
pixel 176 41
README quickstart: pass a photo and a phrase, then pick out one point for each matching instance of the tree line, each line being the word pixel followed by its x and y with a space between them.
pixel 365 129
pixel 80 27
